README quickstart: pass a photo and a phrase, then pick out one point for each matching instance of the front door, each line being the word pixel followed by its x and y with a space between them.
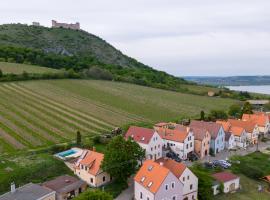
pixel 232 187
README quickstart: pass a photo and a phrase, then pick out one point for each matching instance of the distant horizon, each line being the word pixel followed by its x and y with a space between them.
pixel 182 38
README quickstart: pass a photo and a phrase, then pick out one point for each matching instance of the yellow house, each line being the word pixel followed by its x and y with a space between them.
pixel 88 168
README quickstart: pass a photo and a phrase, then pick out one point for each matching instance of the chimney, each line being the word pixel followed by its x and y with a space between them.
pixel 94 148
pixel 161 163
pixel 12 187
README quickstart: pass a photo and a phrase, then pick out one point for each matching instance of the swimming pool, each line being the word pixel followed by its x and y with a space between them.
pixel 67 153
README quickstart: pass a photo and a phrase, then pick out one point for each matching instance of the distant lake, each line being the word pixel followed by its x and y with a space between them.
pixel 263 89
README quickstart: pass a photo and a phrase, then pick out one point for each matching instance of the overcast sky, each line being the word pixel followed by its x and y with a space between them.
pixel 181 37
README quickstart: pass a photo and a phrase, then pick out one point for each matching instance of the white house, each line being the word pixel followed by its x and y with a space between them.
pixel 229 140
pixel 165 179
pixel 88 169
pixel 261 119
pixel 148 139
pixel 155 182
pixel 180 142
pixel 230 181
pixel 184 175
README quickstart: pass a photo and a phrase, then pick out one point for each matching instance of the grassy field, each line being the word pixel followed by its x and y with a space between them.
pixel 20 68
pixel 41 113
pixel 23 168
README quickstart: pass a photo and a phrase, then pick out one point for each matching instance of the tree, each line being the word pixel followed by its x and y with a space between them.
pixel 202 115
pixel 205 182
pixel 247 108
pixel 217 114
pixel 1 73
pixel 94 195
pixel 235 110
pixel 79 138
pixel 121 158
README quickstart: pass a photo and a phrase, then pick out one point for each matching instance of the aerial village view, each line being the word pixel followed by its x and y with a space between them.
pixel 134 100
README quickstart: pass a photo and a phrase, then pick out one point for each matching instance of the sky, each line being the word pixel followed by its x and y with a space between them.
pixel 181 37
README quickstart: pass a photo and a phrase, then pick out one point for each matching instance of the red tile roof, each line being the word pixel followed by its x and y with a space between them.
pixel 139 134
pixel 259 118
pixel 247 125
pixel 175 167
pixel 199 133
pixel 212 127
pixel 151 175
pixel 173 135
pixel 224 176
pixel 92 160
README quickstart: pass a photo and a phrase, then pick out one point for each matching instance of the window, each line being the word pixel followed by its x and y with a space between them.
pixel 149 185
pixel 85 168
pixel 151 148
pixel 150 167
pixel 104 178
pixel 183 178
pixel 191 144
pixel 143 178
pixel 148 198
pixel 166 187
pixel 174 198
pixel 159 146
pixel 173 184
pixel 91 180
pixel 141 195
pixel 187 146
pixel 81 166
pixel 187 177
pixel 191 186
pixel 155 147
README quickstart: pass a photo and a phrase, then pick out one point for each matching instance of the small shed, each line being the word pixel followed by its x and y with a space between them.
pixel 230 181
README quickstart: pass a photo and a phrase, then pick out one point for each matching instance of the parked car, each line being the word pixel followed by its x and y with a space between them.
pixel 193 157
pixel 173 156
pixel 221 163
pixel 208 165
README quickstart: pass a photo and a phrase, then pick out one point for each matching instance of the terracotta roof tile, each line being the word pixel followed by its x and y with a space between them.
pixel 175 167
pixel 139 134
pixel 247 125
pixel 199 133
pixel 151 175
pixel 224 176
pixel 259 118
pixel 173 135
pixel 93 161
pixel 212 127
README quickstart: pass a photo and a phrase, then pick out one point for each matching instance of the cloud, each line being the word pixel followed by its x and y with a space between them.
pixel 194 37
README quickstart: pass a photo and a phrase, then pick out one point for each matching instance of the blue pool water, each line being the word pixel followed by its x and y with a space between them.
pixel 67 153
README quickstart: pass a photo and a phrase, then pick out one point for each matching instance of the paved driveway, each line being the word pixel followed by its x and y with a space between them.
pixel 128 193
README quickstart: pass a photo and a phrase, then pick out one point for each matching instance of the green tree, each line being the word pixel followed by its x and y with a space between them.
pixel 79 138
pixel 202 115
pixel 235 110
pixel 94 195
pixel 217 114
pixel 121 158
pixel 247 108
pixel 205 182
pixel 1 73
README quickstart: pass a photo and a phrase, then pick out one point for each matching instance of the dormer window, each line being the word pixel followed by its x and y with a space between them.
pixel 143 178
pixel 150 168
pixel 150 184
pixel 132 136
pixel 143 138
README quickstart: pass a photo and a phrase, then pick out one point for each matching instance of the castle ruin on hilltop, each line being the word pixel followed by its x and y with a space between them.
pixel 55 24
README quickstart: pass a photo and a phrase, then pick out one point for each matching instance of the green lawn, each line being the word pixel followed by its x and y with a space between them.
pixel 20 68
pixel 23 168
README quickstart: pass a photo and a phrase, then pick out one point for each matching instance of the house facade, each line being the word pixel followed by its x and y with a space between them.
pixel 88 169
pixel 251 128
pixel 216 131
pixel 148 139
pixel 259 118
pixel 229 141
pixel 202 139
pixel 155 182
pixel 230 181
pixel 180 142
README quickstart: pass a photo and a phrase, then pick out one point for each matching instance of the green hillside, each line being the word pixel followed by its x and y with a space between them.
pixel 80 51
pixel 40 113
pixel 15 68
